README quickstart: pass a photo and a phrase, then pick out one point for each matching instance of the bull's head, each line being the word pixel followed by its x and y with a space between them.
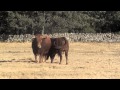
pixel 39 38
pixel 58 43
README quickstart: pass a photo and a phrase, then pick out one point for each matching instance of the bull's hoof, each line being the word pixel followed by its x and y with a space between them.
pixel 44 61
pixel 59 63
pixel 66 63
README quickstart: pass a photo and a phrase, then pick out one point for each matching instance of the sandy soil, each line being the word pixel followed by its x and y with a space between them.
pixel 86 61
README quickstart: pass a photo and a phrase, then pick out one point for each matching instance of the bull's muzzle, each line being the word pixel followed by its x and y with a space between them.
pixel 39 45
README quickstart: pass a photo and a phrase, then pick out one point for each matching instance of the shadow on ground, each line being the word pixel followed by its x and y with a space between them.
pixel 24 60
pixel 20 60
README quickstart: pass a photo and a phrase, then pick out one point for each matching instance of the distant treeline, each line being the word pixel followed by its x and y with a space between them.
pixel 31 22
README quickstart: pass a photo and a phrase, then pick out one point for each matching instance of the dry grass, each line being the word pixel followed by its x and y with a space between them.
pixel 86 61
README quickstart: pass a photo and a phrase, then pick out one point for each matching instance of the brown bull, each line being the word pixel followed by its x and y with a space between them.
pixel 40 46
pixel 58 46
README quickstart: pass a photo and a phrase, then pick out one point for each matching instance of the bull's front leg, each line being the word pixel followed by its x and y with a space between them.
pixel 46 57
pixel 36 58
pixel 40 58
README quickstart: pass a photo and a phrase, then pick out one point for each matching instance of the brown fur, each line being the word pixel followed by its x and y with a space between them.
pixel 59 45
pixel 41 45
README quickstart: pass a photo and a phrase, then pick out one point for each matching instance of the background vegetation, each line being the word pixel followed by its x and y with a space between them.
pixel 31 22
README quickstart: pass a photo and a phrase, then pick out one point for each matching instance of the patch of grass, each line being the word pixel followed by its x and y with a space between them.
pixel 86 60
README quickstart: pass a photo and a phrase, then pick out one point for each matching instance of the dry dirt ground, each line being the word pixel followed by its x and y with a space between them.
pixel 86 61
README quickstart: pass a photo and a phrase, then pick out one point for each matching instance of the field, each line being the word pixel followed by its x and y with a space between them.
pixel 86 61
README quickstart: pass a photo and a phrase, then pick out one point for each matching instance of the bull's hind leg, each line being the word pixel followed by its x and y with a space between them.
pixel 60 59
pixel 46 57
pixel 60 54
pixel 66 55
pixel 52 57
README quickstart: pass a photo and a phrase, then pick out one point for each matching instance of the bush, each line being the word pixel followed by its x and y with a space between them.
pixel 89 30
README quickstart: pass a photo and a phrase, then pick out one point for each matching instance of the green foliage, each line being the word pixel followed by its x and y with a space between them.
pixel 23 22
pixel 89 30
